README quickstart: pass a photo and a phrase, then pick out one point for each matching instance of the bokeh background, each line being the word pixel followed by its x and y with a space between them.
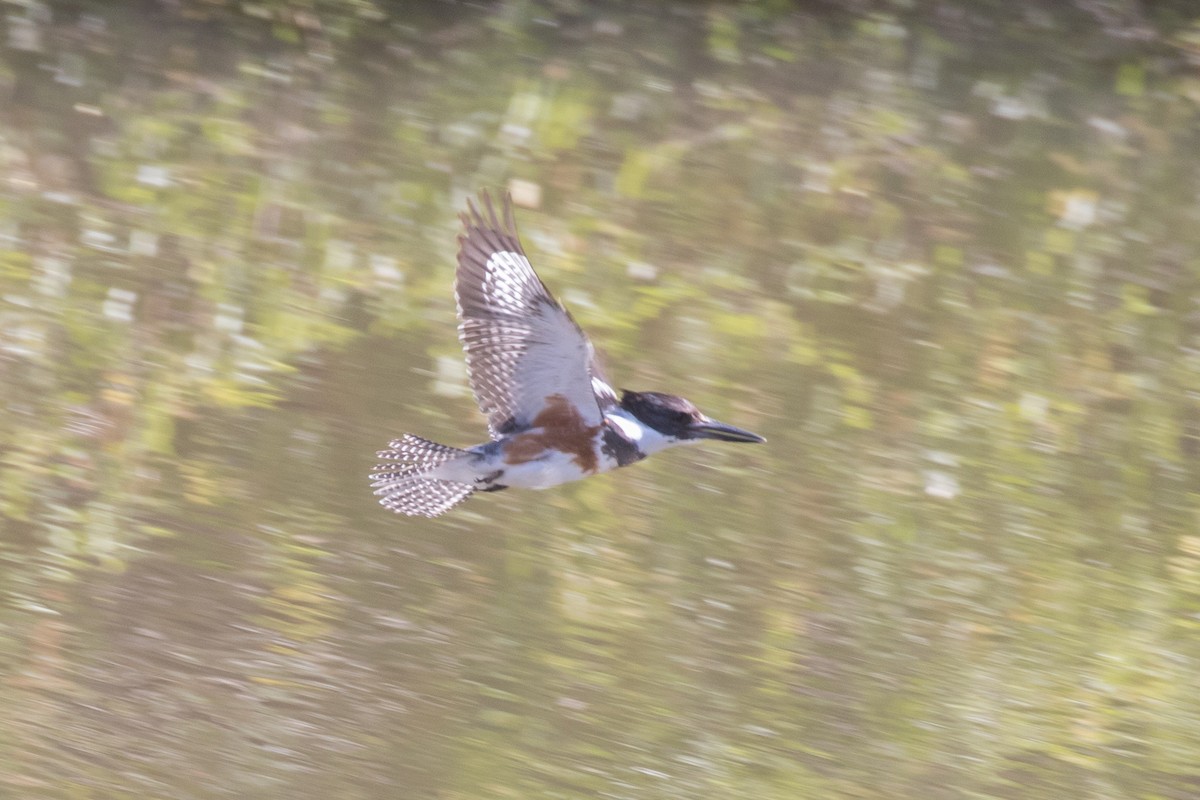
pixel 944 254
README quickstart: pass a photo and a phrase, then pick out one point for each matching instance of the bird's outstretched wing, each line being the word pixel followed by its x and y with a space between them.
pixel 522 346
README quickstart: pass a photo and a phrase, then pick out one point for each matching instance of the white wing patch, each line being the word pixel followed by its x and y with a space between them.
pixel 506 282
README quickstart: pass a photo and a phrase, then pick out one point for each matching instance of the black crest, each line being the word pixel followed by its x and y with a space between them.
pixel 666 413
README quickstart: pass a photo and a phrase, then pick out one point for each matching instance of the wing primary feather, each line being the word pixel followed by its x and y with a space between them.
pixel 491 210
pixel 510 218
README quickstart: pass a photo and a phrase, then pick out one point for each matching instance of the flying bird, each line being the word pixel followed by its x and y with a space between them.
pixel 552 415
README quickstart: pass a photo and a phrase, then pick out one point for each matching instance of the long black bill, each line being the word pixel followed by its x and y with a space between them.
pixel 711 429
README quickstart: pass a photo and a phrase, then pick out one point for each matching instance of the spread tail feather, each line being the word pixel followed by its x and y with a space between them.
pixel 401 484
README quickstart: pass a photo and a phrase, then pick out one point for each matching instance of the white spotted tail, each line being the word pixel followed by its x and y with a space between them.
pixel 401 485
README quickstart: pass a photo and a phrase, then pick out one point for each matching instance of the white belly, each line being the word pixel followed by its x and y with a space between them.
pixel 550 470
pixel 536 468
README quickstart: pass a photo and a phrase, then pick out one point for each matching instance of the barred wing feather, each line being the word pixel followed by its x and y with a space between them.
pixel 521 344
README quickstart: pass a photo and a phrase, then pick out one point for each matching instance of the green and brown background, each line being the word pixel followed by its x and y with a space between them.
pixel 944 254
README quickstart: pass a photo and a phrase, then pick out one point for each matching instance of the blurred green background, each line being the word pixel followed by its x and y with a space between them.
pixel 944 254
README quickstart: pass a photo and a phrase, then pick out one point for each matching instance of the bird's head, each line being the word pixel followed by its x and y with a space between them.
pixel 678 421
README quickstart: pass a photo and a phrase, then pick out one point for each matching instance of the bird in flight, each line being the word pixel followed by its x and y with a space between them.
pixel 552 415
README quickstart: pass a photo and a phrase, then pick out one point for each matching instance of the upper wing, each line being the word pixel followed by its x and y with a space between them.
pixel 522 346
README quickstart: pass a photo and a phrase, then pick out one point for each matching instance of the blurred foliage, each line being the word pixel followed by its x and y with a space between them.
pixel 944 255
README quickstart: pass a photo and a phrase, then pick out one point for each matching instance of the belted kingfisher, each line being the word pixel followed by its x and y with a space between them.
pixel 552 416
